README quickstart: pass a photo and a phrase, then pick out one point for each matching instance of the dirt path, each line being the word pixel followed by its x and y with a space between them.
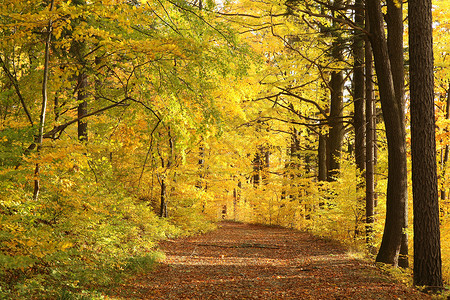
pixel 241 261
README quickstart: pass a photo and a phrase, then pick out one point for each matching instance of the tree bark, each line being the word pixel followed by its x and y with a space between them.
pixel 394 19
pixel 201 168
pixel 236 198
pixel 82 107
pixel 370 155
pixel 78 50
pixel 427 248
pixel 257 166
pixel 358 88
pixel 40 135
pixel 266 165
pixel 359 122
pixel 163 213
pixel 336 132
pixel 445 155
pixel 322 158
pixel 396 195
pixel 163 200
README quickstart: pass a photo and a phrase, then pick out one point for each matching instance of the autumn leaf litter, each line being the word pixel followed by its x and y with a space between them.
pixel 242 261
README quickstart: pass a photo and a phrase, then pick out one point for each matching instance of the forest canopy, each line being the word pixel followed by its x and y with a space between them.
pixel 124 122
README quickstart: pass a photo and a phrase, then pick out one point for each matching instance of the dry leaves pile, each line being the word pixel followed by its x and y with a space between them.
pixel 241 261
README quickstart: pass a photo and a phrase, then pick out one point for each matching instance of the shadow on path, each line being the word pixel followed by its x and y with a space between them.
pixel 242 261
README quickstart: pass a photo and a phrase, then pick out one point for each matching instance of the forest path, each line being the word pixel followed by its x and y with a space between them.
pixel 242 261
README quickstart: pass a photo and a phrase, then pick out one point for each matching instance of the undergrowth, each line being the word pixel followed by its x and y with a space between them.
pixel 84 233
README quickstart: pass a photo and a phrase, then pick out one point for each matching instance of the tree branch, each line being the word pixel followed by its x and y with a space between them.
pixel 60 128
pixel 14 82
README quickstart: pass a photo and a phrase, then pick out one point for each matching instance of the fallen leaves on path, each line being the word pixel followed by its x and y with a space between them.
pixel 242 261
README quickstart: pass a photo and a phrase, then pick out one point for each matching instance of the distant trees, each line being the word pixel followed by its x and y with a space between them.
pixel 289 93
pixel 269 108
pixel 153 75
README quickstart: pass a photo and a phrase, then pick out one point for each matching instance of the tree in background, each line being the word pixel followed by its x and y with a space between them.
pixel 181 97
pixel 156 82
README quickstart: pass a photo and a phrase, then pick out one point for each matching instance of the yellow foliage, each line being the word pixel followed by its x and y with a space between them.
pixel 193 105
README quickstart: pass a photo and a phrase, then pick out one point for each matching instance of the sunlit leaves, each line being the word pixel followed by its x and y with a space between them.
pixel 167 64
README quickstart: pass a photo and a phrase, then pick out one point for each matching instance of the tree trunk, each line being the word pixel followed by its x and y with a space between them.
pixel 40 135
pixel 396 195
pixel 201 168
pixel 82 107
pixel 295 149
pixel 370 157
pixel 394 20
pixel 445 155
pixel 294 163
pixel 236 198
pixel 170 159
pixel 79 49
pixel 427 247
pixel 265 167
pixel 336 132
pixel 257 166
pixel 359 122
pixel 163 206
pixel 322 158
pixel 358 88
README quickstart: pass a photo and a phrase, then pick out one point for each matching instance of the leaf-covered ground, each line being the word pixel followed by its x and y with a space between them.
pixel 241 261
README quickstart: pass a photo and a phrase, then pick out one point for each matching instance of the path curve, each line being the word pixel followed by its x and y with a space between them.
pixel 242 261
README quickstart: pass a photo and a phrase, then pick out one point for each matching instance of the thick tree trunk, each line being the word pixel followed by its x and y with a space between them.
pixel 336 133
pixel 394 19
pixel 427 247
pixel 359 122
pixel 396 196
pixel 358 88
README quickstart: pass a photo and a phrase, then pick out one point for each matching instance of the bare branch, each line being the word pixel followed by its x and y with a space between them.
pixel 14 82
pixel 290 93
pixel 60 128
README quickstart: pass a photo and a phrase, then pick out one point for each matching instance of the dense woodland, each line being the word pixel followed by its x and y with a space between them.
pixel 124 122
